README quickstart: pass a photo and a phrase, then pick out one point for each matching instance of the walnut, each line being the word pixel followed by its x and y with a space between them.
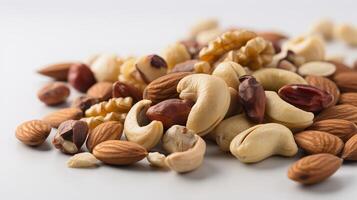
pixel 93 122
pixel 117 105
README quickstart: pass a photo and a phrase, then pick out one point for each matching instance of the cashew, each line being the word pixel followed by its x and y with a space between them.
pixel 156 159
pixel 230 72
pixel 235 106
pixel 311 47
pixel 284 113
pixel 212 98
pixel 229 128
pixel 187 160
pixel 178 138
pixel 262 141
pixel 136 128
pixel 347 33
pixel 174 54
pixel 273 79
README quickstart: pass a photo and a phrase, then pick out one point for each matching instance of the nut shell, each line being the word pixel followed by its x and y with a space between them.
pixel 33 132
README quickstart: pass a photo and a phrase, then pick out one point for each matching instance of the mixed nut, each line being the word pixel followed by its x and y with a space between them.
pixel 255 94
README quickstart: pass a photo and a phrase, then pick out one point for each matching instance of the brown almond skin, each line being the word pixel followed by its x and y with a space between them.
pixel 314 169
pixel 343 111
pixel 170 112
pixel 252 98
pixel 57 71
pixel 346 81
pixel 62 115
pixel 306 97
pixel 314 142
pixel 54 93
pixel 164 87
pixel 350 150
pixel 349 98
pixel 340 67
pixel 81 77
pixel 101 90
pixel 111 130
pixel 118 152
pixel 341 128
pixel 324 84
pixel 33 133
pixel 121 89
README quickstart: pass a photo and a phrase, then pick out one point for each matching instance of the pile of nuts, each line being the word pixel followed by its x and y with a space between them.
pixel 255 94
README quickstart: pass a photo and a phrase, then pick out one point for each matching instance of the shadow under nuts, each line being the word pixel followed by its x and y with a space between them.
pixel 252 98
pixel 170 112
pixel 306 97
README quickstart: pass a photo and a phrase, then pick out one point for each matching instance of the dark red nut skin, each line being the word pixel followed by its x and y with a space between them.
pixel 252 97
pixel 306 97
pixel 81 77
pixel 124 90
pixel 170 112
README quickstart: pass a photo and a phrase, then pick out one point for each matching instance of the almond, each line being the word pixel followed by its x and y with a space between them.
pixel 326 85
pixel 53 93
pixel 101 90
pixel 349 98
pixel 341 128
pixel 314 142
pixel 117 152
pixel 315 168
pixel 340 67
pixel 57 71
pixel 111 130
pixel 343 111
pixel 33 132
pixel 59 116
pixel 346 81
pixel 164 87
pixel 350 150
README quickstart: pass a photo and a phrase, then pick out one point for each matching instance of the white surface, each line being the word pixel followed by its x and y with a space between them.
pixel 34 33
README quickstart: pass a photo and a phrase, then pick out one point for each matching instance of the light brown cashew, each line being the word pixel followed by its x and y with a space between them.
pixel 138 130
pixel 262 141
pixel 211 97
pixel 284 113
pixel 229 128
pixel 187 160
pixel 230 72
pixel 273 78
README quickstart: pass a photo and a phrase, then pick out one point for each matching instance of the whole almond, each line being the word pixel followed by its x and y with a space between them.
pixel 314 142
pixel 101 90
pixel 349 98
pixel 324 84
pixel 341 128
pixel 350 150
pixel 343 111
pixel 54 93
pixel 111 130
pixel 315 168
pixel 164 87
pixel 59 116
pixel 118 152
pixel 346 81
pixel 33 132
pixel 57 71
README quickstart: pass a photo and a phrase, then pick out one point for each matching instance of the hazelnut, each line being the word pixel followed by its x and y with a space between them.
pixel 70 136
pixel 121 89
pixel 81 77
pixel 54 93
pixel 151 67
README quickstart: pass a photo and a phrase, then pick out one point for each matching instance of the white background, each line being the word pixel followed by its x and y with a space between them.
pixel 35 33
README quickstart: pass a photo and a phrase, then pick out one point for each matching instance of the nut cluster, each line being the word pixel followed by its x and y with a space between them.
pixel 257 94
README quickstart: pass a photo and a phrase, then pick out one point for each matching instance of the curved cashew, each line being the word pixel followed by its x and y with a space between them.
pixel 230 72
pixel 311 47
pixel 284 113
pixel 212 98
pixel 273 78
pixel 135 130
pixel 263 141
pixel 187 160
pixel 229 128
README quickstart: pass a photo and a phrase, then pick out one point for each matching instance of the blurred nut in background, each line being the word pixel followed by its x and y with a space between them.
pixel 106 67
pixel 57 71
pixel 81 77
pixel 323 27
pixel 54 93
pixel 195 66
pixel 101 90
pixel 151 67
pixel 347 33
pixel 174 54
pixel 203 25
